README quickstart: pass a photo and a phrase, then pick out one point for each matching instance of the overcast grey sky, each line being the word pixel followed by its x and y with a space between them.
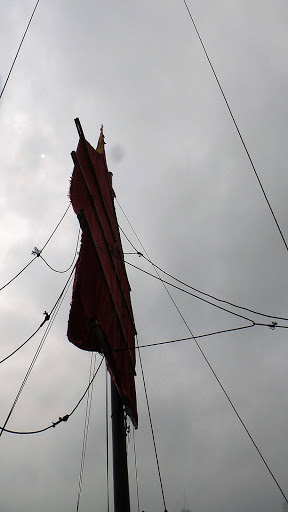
pixel 183 179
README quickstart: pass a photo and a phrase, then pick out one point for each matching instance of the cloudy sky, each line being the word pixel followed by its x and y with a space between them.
pixel 186 185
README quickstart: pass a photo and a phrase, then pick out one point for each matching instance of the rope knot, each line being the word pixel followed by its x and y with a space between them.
pixel 47 316
pixel 272 326
pixel 36 252
pixel 65 418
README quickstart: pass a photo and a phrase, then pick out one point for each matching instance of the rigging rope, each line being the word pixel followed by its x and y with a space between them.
pixel 87 389
pixel 13 278
pixel 151 425
pixel 182 282
pixel 28 339
pixel 36 251
pixel 231 404
pixel 65 418
pixel 19 48
pixel 272 325
pixel 86 427
pixel 159 278
pixel 212 296
pixel 178 340
pixel 54 231
pixel 236 126
pixel 70 266
pixel 223 301
pixel 27 375
pixel 136 470
pixel 47 317
pixel 238 415
pixel 40 346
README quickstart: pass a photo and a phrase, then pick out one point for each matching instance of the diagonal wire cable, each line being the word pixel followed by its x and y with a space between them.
pixel 223 301
pixel 189 338
pixel 238 415
pixel 211 368
pixel 116 350
pixel 65 418
pixel 236 126
pixel 19 48
pixel 231 404
pixel 164 282
pixel 230 401
pixel 136 469
pixel 26 341
pixel 151 425
pixel 36 251
pixel 214 372
pixel 86 427
pixel 13 278
pixel 182 282
pixel 87 389
pixel 271 325
pixel 74 257
pixel 213 296
pixel 54 231
pixel 47 317
pixel 186 291
pixel 40 346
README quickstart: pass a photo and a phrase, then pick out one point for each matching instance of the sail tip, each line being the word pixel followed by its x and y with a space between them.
pixel 101 141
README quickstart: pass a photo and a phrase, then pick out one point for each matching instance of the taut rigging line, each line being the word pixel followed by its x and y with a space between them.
pixel 47 317
pixel 236 126
pixel 223 301
pixel 39 348
pixel 86 426
pixel 60 420
pixel 272 326
pixel 19 48
pixel 71 264
pixel 38 252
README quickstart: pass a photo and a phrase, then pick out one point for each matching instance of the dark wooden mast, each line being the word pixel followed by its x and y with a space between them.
pixel 120 466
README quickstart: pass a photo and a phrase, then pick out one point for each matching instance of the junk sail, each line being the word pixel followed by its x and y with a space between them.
pixel 101 317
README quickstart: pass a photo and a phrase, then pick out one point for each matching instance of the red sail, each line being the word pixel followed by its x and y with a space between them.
pixel 101 317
